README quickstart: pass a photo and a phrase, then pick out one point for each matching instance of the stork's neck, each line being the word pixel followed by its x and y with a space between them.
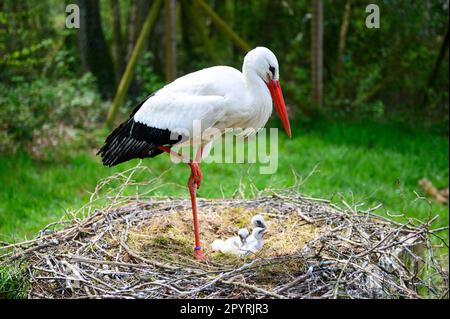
pixel 252 78
pixel 255 84
pixel 260 102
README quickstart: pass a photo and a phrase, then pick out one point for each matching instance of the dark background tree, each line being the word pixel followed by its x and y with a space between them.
pixel 117 43
pixel 95 54
pixel 317 52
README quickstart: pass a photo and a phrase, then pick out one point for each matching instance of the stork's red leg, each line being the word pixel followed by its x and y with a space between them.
pixel 194 182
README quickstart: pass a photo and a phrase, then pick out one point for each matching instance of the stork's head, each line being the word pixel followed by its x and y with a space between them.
pixel 243 234
pixel 258 232
pixel 258 221
pixel 262 62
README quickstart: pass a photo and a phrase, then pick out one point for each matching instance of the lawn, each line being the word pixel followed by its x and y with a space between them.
pixel 361 162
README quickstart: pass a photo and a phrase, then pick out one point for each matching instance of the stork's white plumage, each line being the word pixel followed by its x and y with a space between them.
pixel 219 97
pixel 254 242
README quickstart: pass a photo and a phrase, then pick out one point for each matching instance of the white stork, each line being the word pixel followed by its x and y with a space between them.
pixel 219 97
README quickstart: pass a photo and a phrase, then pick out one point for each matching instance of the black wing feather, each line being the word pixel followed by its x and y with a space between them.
pixel 133 139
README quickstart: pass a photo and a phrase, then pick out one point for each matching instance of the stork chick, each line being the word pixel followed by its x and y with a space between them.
pixel 258 221
pixel 232 245
pixel 254 242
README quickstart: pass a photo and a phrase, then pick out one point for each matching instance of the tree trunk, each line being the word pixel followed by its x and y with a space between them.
pixel 200 24
pixel 440 58
pixel 94 51
pixel 129 70
pixel 157 46
pixel 117 40
pixel 317 52
pixel 436 66
pixel 82 38
pixel 230 18
pixel 143 9
pixel 170 40
pixel 341 48
pixel 224 27
pixel 132 28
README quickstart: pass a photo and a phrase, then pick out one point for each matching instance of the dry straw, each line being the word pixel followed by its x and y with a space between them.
pixel 126 244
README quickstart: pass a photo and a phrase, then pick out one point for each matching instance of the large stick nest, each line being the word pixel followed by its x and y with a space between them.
pixel 139 247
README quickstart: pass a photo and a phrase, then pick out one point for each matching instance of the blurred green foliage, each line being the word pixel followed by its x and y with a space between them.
pixel 144 74
pixel 30 107
pixel 386 70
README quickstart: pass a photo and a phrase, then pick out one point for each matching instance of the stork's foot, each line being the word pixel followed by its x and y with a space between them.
pixel 198 254
pixel 195 180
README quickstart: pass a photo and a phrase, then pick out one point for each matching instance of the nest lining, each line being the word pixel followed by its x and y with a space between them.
pixel 171 234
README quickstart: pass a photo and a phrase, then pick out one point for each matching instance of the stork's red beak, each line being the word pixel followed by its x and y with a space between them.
pixel 278 101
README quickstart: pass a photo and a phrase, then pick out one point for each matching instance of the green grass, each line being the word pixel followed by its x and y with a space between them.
pixel 13 282
pixel 364 162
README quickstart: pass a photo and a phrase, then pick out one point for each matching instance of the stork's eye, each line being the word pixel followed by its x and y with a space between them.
pixel 272 70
